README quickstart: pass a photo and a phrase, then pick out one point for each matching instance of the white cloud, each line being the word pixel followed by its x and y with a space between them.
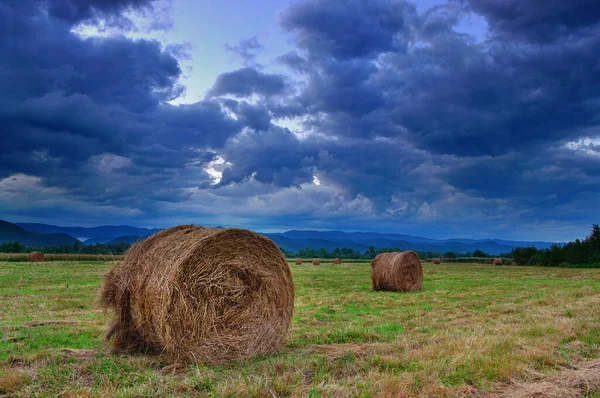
pixel 588 145
pixel 215 169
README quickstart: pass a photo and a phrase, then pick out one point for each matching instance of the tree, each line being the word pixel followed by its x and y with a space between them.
pixel 522 255
pixel 479 253
pixel 450 255
pixel 370 253
pixel 594 239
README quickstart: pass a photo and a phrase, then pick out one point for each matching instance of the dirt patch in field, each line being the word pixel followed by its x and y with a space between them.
pixel 570 383
pixel 32 324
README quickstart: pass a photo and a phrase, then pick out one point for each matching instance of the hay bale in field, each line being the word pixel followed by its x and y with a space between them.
pixel 316 261
pixel 436 261
pixel 298 261
pixel 200 295
pixel 397 272
pixel 497 261
pixel 36 257
pixel 337 260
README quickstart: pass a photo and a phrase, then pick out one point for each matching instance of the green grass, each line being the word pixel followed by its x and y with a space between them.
pixel 474 327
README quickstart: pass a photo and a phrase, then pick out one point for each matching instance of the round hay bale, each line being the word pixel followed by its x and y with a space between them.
pixel 337 260
pixel 436 261
pixel 200 295
pixel 298 261
pixel 36 257
pixel 497 261
pixel 316 261
pixel 397 272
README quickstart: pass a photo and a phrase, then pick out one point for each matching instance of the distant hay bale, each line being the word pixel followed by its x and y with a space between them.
pixel 397 272
pixel 337 260
pixel 200 295
pixel 316 261
pixel 298 261
pixel 497 261
pixel 36 257
pixel 436 261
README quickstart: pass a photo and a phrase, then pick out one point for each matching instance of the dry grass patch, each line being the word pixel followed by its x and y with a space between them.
pixel 579 381
pixel 12 380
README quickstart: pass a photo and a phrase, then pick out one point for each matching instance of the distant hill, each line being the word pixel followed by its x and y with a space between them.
pixel 92 235
pixel 293 240
pixel 130 239
pixel 10 232
pixel 296 240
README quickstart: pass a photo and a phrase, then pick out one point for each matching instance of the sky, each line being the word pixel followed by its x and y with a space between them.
pixel 458 118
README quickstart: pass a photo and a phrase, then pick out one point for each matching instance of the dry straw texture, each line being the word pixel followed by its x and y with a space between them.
pixel 497 261
pixel 36 257
pixel 337 260
pixel 201 295
pixel 397 272
pixel 298 261
pixel 316 261
pixel 584 379
pixel 436 261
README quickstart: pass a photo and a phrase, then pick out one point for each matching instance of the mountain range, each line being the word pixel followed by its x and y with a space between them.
pixel 296 240
pixel 53 235
pixel 13 233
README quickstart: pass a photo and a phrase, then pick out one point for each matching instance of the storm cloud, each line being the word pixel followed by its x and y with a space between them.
pixel 388 118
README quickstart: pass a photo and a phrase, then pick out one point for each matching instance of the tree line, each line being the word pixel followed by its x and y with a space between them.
pixel 578 252
pixel 371 253
pixel 76 248
pixel 121 248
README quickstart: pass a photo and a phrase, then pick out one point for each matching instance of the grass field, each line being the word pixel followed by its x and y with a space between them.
pixel 474 331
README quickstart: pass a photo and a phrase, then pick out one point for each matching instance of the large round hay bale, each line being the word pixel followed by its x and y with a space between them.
pixel 298 261
pixel 337 260
pixel 36 257
pixel 397 272
pixel 200 294
pixel 436 261
pixel 316 261
pixel 497 261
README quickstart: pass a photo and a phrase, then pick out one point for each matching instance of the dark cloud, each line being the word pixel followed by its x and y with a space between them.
pixel 75 109
pixel 455 97
pixel 447 92
pixel 110 12
pixel 539 20
pixel 247 81
pixel 293 61
pixel 257 117
pixel 348 29
pixel 478 118
pixel 395 118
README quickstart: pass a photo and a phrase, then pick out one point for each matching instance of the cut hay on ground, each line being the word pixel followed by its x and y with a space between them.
pixel 397 272
pixel 298 261
pixel 436 261
pixel 337 260
pixel 497 261
pixel 582 381
pixel 316 261
pixel 36 257
pixel 201 295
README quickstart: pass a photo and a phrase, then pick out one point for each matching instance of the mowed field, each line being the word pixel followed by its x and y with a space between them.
pixel 475 330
